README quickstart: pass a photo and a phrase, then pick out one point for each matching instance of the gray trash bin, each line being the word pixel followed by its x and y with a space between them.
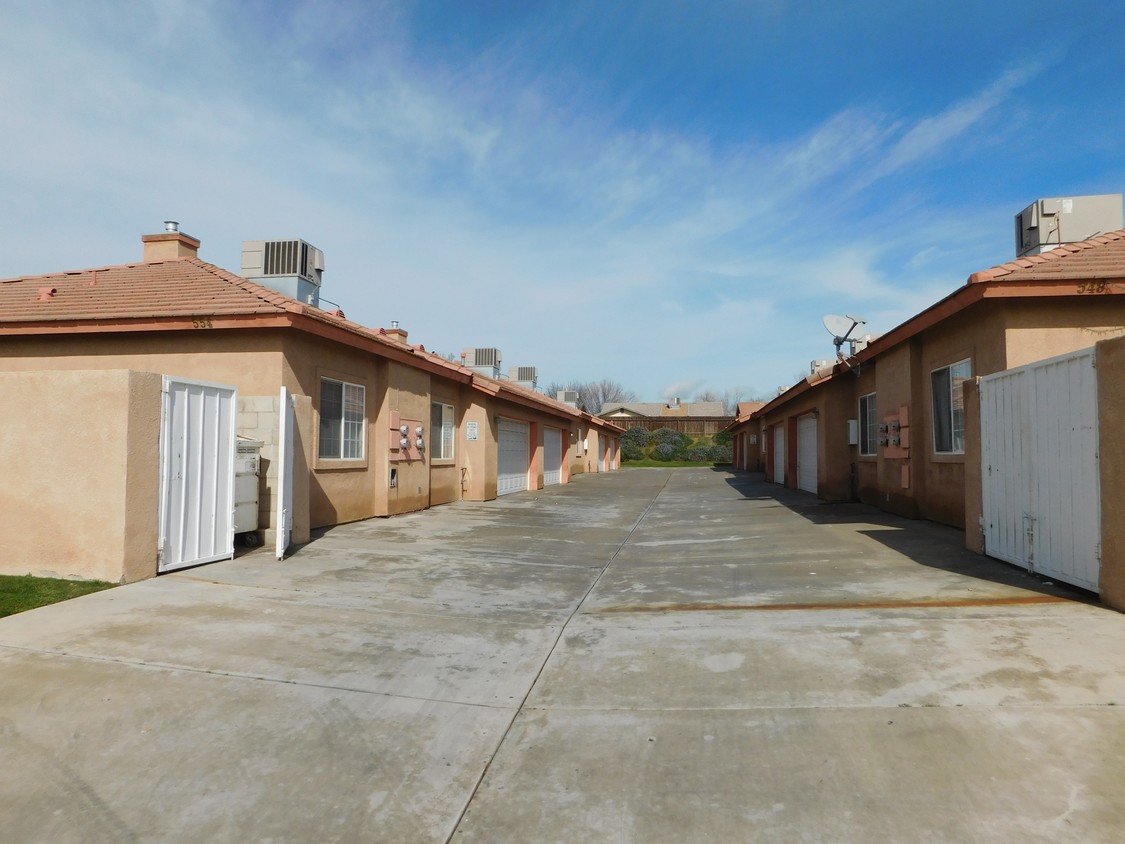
pixel 246 464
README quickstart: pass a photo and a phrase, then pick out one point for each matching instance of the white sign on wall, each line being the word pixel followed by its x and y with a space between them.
pixel 472 431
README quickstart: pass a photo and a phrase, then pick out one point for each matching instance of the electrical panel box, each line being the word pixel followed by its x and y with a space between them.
pixel 853 432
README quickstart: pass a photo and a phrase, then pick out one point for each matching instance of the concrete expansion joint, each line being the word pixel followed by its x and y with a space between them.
pixel 550 652
pixel 257 678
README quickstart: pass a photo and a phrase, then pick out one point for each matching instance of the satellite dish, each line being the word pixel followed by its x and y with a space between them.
pixel 841 328
pixel 838 326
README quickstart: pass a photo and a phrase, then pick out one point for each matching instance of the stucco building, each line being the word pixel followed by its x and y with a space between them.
pixel 379 426
pixel 887 426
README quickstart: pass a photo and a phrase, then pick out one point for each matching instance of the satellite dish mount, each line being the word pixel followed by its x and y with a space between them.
pixel 843 330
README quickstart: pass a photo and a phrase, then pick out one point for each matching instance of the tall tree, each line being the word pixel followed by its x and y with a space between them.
pixel 600 393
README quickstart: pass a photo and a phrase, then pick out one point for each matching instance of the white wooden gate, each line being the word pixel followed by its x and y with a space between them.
pixel 806 453
pixel 779 454
pixel 197 451
pixel 284 516
pixel 513 456
pixel 1039 468
pixel 552 456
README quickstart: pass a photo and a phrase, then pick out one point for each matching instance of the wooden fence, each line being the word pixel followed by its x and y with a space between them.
pixel 693 426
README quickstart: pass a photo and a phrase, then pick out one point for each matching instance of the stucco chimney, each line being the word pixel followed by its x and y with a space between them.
pixel 395 332
pixel 170 245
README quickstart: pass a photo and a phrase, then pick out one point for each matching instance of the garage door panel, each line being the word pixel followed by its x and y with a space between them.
pixel 552 456
pixel 779 454
pixel 806 454
pixel 513 456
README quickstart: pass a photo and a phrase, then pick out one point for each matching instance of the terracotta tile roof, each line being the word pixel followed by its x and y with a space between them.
pixel 184 287
pixel 1097 258
pixel 190 287
pixel 747 408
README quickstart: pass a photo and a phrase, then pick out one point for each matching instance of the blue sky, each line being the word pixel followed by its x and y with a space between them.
pixel 668 194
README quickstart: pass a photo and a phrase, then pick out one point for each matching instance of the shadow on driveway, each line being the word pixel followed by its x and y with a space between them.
pixel 927 543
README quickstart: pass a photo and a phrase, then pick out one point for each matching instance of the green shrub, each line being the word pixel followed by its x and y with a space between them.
pixel 720 453
pixel 631 451
pixel 724 438
pixel 636 436
pixel 699 454
pixel 666 436
pixel 666 451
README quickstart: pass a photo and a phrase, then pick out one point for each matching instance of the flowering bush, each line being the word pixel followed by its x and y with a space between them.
pixel 631 451
pixel 663 436
pixel 636 436
pixel 720 453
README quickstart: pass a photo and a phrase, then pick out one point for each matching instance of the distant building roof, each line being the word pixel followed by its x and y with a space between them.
pixel 656 410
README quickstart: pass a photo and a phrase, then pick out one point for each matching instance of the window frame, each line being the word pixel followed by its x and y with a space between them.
pixel 953 402
pixel 443 432
pixel 868 426
pixel 350 434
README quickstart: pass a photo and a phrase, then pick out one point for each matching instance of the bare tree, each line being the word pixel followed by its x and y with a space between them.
pixel 595 395
pixel 592 395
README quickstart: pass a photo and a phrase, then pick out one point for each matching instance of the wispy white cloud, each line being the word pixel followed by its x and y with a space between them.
pixel 483 208
pixel 931 135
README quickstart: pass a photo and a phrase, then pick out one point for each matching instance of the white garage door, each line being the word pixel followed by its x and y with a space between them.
pixel 552 456
pixel 806 453
pixel 513 456
pixel 779 454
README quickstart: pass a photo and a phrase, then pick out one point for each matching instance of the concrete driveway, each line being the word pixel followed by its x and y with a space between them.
pixel 647 656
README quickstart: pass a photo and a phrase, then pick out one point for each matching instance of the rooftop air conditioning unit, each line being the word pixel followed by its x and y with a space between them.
pixel 270 258
pixel 1047 223
pixel 524 373
pixel 482 357
pixel 567 396
pixel 814 365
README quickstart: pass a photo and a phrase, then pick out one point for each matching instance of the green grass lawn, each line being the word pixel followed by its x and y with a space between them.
pixel 24 592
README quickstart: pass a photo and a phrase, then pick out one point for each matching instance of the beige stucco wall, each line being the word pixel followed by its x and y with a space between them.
pixel 1040 329
pixel 259 361
pixel 1111 452
pixel 249 360
pixel 408 396
pixel 479 455
pixel 100 523
pixel 915 481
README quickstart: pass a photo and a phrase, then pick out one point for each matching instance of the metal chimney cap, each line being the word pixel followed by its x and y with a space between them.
pixel 171 226
pixel 394 323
